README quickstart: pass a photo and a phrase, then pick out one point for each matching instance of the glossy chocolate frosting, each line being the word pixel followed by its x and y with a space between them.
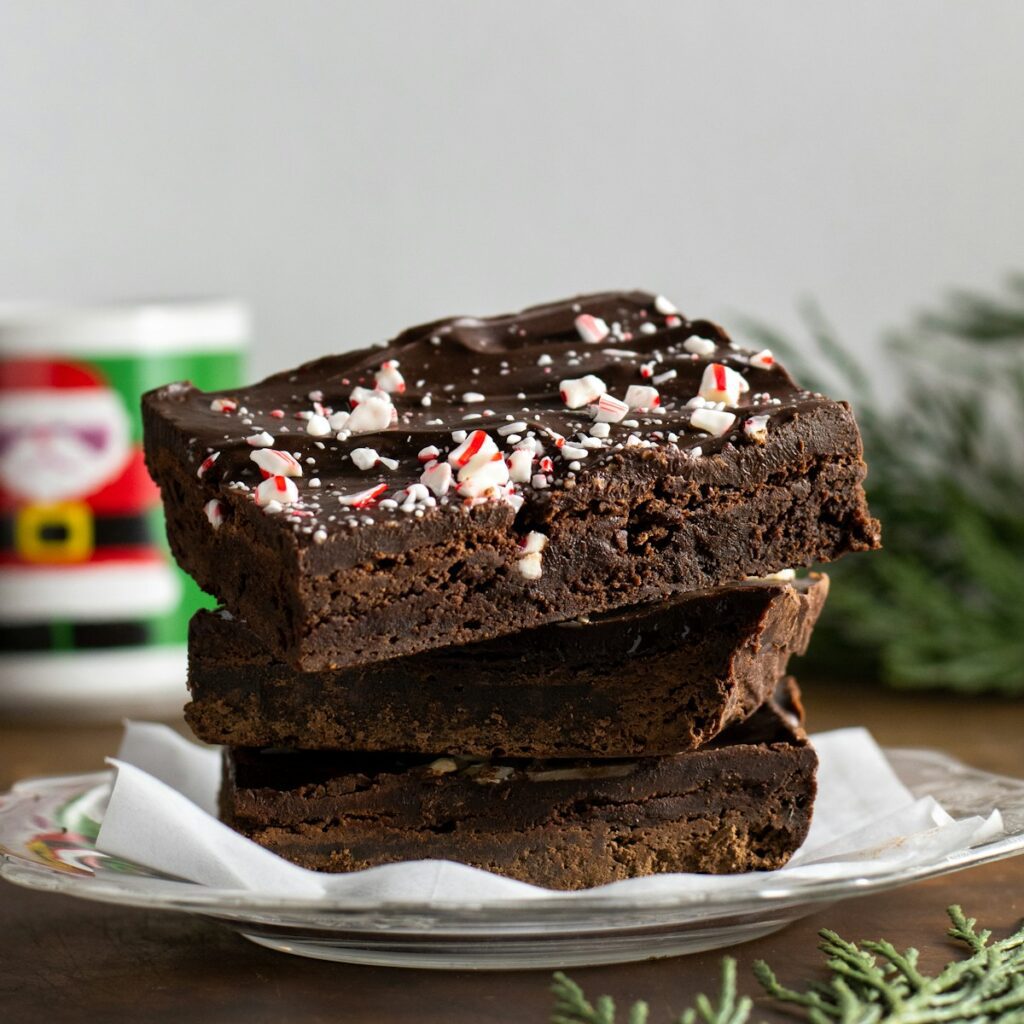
pixel 502 375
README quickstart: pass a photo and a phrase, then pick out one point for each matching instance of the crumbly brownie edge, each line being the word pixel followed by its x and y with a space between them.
pixel 666 679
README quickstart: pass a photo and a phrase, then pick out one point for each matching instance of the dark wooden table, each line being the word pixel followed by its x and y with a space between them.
pixel 63 959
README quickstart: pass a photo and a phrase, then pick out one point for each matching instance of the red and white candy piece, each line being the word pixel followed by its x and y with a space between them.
pixel 722 384
pixel 763 359
pixel 276 488
pixel 581 391
pixel 214 513
pixel 756 428
pixel 482 476
pixel 388 378
pixel 360 394
pixel 609 410
pixel 362 499
pixel 438 477
pixel 274 462
pixel 591 329
pixel 641 396
pixel 479 442
pixel 223 405
pixel 520 466
pixel 207 464
pixel 429 453
pixel 712 421
pixel 365 458
pixel 372 414
pixel 260 440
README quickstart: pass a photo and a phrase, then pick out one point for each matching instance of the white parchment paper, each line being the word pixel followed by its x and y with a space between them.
pixel 162 814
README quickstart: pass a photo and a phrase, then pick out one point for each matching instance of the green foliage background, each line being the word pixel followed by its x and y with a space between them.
pixel 943 604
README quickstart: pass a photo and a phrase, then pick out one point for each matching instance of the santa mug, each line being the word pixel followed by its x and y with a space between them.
pixel 93 612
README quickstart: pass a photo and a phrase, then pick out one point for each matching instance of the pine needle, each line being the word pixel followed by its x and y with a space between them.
pixel 870 982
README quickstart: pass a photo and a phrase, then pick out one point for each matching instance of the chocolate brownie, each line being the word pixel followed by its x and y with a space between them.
pixel 655 679
pixel 475 478
pixel 741 803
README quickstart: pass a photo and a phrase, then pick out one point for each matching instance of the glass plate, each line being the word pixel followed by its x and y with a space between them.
pixel 48 827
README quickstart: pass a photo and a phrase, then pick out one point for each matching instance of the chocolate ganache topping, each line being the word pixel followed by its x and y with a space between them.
pixel 462 412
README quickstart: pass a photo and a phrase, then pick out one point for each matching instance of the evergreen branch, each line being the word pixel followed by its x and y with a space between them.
pixel 870 982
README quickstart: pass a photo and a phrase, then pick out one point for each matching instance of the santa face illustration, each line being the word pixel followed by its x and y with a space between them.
pixel 63 434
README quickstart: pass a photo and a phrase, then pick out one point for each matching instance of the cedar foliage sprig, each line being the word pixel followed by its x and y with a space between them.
pixel 870 982
pixel 940 605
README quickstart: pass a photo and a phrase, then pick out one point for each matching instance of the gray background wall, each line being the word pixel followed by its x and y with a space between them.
pixel 353 167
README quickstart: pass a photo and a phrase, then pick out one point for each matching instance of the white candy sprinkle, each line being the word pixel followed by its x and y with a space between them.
pixel 260 440
pixel 784 575
pixel 699 346
pixel 338 421
pixel 756 428
pixel 314 481
pixel 320 536
pixel 276 463
pixel 664 378
pixel 663 306
pixel 318 426
pixel 512 428
pixel 458 436
pixel 609 409
pixel 600 429
pixel 473 396
pixel 640 396
pixel 278 490
pixel 538 481
pixel 648 328
pixel 713 421
pixel 722 384
pixel 214 511
pixel 544 360
pixel 591 329
pixel 581 391
pixel 364 458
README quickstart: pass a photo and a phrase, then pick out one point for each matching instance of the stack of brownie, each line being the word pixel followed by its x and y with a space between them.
pixel 516 592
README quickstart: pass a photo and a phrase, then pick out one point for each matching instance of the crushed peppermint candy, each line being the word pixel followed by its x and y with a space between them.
pixel 375 412
pixel 482 475
pixel 712 421
pixel 609 409
pixel 722 384
pixel 763 359
pixel 274 462
pixel 438 477
pixel 580 391
pixel 207 464
pixel 429 453
pixel 364 458
pixel 388 377
pixel 260 440
pixel 223 405
pixel 756 428
pixel 477 443
pixel 640 396
pixel 664 306
pixel 362 499
pixel 470 397
pixel 591 329
pixel 530 561
pixel 520 465
pixel 318 426
pixel 214 513
pixel 279 490
pixel 699 346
